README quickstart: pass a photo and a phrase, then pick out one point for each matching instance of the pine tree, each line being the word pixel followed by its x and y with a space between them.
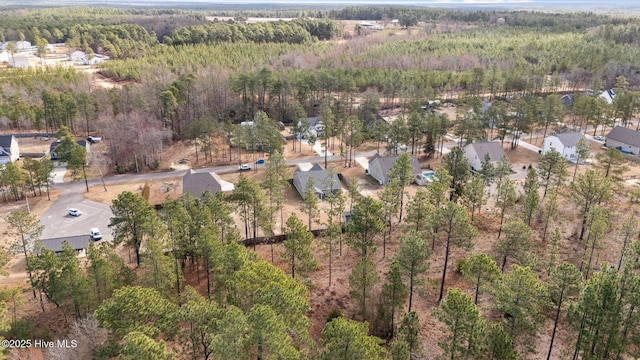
pixel 532 198
pixel 412 258
pixel 297 247
pixel 419 210
pixel 402 172
pixel 505 200
pixel 516 243
pixel 551 169
pixel 389 197
pixel 521 296
pixel 474 196
pixel 366 222
pixel 456 224
pixel 361 281
pixel 499 345
pixel 464 325
pixel 589 189
pixel 392 298
pixel 310 201
pixel 348 339
pixel 479 268
pixel 564 284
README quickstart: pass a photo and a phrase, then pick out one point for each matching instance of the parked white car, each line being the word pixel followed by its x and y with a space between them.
pixel 74 212
pixel 95 234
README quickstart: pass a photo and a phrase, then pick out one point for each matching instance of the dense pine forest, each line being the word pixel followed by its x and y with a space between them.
pixel 471 266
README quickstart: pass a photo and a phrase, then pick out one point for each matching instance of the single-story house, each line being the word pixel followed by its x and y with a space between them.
pixel 19 61
pixel 322 185
pixel 380 167
pixel 564 143
pixel 9 149
pixel 95 59
pixel 196 183
pixel 52 148
pixel 475 153
pixel 77 56
pixel 625 139
pixel 80 243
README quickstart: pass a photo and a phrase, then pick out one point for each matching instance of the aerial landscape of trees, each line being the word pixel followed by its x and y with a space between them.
pixel 474 265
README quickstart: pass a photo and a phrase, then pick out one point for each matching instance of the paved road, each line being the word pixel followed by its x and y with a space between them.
pixel 58 223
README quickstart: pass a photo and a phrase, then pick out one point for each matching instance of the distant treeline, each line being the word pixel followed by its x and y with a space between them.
pixel 293 32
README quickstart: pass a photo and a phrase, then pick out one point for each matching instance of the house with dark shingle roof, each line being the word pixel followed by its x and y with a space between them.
pixel 80 243
pixel 475 153
pixel 196 183
pixel 380 167
pixel 9 149
pixel 54 155
pixel 625 139
pixel 564 143
pixel 322 185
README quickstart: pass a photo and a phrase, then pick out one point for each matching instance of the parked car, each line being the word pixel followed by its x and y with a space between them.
pixel 599 138
pixel 74 212
pixel 260 161
pixel 95 234
pixel 244 167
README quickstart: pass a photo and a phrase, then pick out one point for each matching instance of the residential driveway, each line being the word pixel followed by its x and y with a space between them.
pixel 58 223
pixel 58 174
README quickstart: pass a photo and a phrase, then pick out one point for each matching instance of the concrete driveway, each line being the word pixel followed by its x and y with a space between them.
pixel 58 223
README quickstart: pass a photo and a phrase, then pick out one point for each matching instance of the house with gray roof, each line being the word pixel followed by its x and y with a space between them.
pixel 196 183
pixel 380 167
pixel 475 153
pixel 80 243
pixel 564 143
pixel 54 155
pixel 323 186
pixel 625 139
pixel 9 149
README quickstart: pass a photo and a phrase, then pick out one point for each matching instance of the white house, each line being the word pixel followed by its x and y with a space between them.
pixel 9 149
pixel 627 140
pixel 564 143
pixel 19 61
pixel 608 96
pixel 77 56
pixel 475 153
pixel 23 45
